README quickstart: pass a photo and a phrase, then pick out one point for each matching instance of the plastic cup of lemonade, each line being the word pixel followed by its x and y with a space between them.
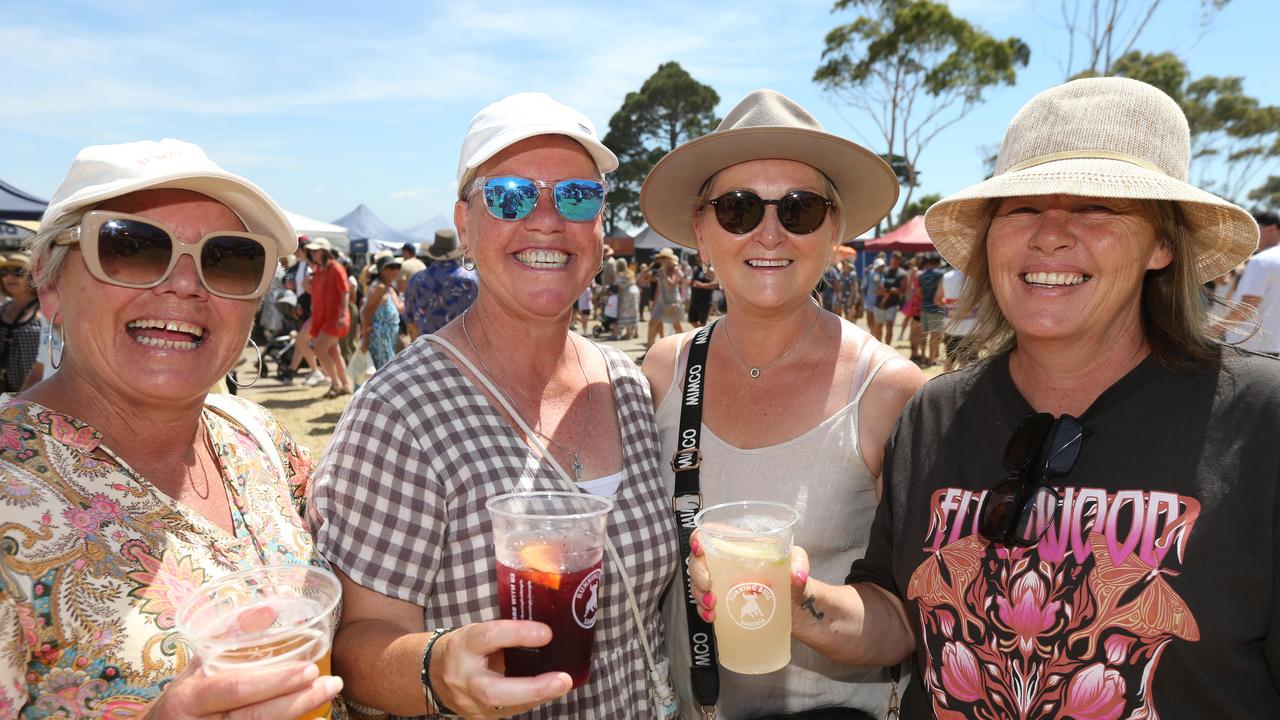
pixel 548 548
pixel 748 551
pixel 264 616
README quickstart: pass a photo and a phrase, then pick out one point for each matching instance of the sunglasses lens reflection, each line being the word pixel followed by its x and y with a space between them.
pixel 802 212
pixel 739 212
pixel 232 265
pixel 1036 515
pixel 509 198
pixel 579 200
pixel 133 252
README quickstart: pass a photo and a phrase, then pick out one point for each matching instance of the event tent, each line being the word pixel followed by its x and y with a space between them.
pixel 18 205
pixel 313 228
pixel 363 224
pixel 909 238
pixel 649 239
pixel 425 232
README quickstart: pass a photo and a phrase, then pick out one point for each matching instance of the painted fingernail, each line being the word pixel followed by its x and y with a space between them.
pixel 695 547
pixel 706 615
pixel 709 600
pixel 802 576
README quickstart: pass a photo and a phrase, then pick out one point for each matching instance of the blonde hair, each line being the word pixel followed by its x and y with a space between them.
pixel 1174 305
pixel 46 254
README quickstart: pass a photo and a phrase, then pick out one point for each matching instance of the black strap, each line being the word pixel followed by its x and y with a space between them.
pixel 686 501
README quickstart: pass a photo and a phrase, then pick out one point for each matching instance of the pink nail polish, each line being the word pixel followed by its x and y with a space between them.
pixel 802 576
pixel 709 600
pixel 695 547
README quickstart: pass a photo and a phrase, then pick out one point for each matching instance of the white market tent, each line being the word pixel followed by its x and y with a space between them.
pixel 649 239
pixel 313 228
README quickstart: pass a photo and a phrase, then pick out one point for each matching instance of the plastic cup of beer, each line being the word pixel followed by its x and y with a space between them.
pixel 261 617
pixel 548 548
pixel 748 551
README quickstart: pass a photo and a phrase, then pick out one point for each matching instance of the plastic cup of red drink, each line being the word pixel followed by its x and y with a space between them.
pixel 548 548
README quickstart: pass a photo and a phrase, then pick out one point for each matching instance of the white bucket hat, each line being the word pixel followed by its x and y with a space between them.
pixel 766 125
pixel 102 172
pixel 1098 137
pixel 519 117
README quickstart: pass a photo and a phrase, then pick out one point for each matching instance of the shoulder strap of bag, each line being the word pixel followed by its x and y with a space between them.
pixel 686 501
pixel 662 688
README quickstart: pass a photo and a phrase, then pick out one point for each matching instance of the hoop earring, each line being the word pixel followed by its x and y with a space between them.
pixel 257 377
pixel 469 264
pixel 58 363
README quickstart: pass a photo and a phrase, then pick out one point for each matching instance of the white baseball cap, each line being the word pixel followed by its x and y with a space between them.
pixel 103 172
pixel 520 117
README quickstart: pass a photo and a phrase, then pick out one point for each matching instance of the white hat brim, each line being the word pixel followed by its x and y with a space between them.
pixel 1224 234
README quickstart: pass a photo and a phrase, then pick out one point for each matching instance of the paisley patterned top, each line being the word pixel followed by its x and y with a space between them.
pixel 94 559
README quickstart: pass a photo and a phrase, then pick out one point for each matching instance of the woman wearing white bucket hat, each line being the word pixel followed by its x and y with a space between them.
pixel 1084 522
pixel 124 484
pixel 797 401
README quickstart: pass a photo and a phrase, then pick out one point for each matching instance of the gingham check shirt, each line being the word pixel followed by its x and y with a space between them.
pixel 399 506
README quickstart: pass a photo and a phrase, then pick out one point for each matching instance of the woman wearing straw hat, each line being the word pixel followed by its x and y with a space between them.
pixel 19 321
pixel 667 306
pixel 1085 522
pixel 798 402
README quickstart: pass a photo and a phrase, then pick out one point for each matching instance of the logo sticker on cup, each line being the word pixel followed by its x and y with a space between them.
pixel 751 605
pixel 586 599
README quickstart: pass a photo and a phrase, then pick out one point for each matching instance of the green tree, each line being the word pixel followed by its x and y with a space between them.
pixel 670 108
pixel 915 69
pixel 1234 137
pixel 917 207
pixel 1101 32
pixel 1267 195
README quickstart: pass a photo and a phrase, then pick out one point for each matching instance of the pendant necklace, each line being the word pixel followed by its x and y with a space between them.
pixel 755 371
pixel 582 434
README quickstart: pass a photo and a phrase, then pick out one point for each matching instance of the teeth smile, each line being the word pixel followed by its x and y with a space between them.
pixel 166 344
pixel 1054 278
pixel 761 263
pixel 543 258
pixel 168 325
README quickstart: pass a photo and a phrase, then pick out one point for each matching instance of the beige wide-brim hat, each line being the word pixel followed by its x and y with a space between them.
pixel 1098 137
pixel 767 125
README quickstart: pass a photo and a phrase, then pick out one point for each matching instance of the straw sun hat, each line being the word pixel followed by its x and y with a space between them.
pixel 767 125
pixel 1098 137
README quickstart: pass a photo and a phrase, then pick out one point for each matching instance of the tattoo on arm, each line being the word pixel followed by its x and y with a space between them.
pixel 808 604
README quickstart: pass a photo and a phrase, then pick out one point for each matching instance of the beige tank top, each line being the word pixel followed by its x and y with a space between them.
pixel 822 474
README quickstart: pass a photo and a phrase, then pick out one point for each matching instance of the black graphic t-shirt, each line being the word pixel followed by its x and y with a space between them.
pixel 1155 593
pixel 894 280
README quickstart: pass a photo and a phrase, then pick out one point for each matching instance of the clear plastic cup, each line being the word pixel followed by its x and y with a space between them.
pixel 748 551
pixel 548 548
pixel 264 616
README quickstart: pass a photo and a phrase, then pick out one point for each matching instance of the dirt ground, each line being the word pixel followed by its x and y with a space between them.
pixel 312 419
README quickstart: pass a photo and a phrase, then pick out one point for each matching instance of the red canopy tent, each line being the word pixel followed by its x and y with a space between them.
pixel 910 238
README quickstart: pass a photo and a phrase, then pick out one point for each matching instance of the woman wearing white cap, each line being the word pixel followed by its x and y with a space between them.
pixel 122 486
pixel 502 398
pixel 796 402
pixel 1085 522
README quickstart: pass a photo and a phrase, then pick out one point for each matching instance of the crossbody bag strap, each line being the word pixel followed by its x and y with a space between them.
pixel 686 501
pixel 662 688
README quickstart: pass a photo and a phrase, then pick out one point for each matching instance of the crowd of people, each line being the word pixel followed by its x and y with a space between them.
pixel 1080 520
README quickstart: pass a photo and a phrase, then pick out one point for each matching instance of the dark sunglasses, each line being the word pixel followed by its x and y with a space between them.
pixel 137 252
pixel 509 197
pixel 1021 508
pixel 800 212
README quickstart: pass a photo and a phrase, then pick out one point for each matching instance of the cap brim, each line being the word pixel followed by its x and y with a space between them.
pixel 1224 234
pixel 259 213
pixel 867 185
pixel 603 156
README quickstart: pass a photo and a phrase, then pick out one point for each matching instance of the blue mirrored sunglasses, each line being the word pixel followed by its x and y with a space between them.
pixel 509 197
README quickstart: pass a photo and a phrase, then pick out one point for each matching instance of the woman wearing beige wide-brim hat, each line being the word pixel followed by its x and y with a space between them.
pixel 797 402
pixel 1084 521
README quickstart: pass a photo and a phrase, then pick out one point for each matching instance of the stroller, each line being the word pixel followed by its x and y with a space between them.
pixel 279 347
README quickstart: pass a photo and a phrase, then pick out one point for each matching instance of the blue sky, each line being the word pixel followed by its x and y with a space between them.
pixel 332 104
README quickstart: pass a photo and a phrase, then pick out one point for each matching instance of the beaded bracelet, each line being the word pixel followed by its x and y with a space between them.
pixel 434 705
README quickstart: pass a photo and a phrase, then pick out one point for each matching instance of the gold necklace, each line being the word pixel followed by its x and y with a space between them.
pixel 755 371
